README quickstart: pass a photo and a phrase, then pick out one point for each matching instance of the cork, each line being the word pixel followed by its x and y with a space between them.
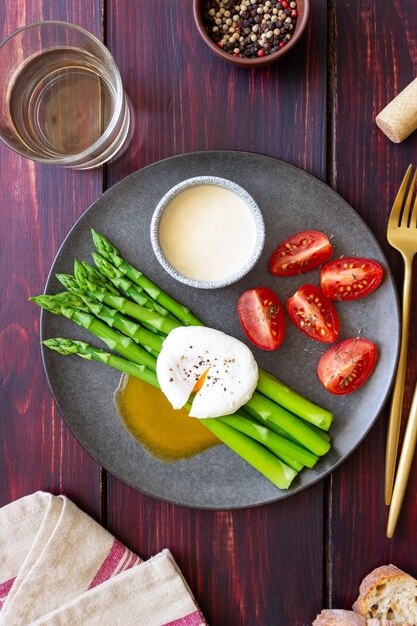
pixel 399 118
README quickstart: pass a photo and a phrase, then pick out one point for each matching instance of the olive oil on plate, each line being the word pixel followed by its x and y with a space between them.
pixel 167 434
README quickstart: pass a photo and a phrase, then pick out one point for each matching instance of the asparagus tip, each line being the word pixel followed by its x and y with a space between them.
pixel 97 258
pixel 66 346
pixel 103 244
pixel 41 300
pixel 64 277
pixel 96 237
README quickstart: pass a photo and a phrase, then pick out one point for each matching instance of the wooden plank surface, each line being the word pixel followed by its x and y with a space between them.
pixel 38 204
pixel 264 566
pixel 260 566
pixel 375 57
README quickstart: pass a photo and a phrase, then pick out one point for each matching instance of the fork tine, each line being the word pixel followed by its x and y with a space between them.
pixel 413 219
pixel 407 206
pixel 398 202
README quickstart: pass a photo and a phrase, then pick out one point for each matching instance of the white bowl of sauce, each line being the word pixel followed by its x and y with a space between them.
pixel 207 232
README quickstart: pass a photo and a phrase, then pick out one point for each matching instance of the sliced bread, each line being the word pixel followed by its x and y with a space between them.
pixel 382 622
pixel 338 617
pixel 388 593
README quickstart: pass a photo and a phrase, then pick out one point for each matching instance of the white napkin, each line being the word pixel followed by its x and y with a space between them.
pixel 59 567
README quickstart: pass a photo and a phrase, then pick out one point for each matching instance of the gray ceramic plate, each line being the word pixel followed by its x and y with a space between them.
pixel 291 200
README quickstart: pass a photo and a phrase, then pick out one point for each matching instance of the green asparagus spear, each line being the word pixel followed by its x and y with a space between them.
pixel 125 325
pixel 69 281
pixel 133 291
pixel 112 338
pixel 279 431
pixel 150 341
pixel 279 473
pixel 123 305
pixel 280 446
pixel 85 274
pixel 109 252
pixel 269 386
pixel 84 350
pixel 264 408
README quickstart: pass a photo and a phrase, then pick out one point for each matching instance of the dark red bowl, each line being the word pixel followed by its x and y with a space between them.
pixel 303 8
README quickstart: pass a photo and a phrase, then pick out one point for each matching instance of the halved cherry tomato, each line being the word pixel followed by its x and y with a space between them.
pixel 346 366
pixel 314 314
pixel 350 278
pixel 261 315
pixel 300 253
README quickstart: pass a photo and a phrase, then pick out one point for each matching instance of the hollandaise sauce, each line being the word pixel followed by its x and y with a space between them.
pixel 207 233
pixel 167 434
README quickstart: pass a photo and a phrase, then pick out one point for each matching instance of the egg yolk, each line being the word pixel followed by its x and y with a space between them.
pixel 165 433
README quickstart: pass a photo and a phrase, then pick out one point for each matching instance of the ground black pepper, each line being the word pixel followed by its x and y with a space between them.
pixel 250 28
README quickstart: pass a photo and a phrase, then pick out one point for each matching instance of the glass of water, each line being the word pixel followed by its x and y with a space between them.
pixel 61 96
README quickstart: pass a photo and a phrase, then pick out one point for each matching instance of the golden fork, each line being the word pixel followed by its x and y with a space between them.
pixel 402 235
pixel 404 466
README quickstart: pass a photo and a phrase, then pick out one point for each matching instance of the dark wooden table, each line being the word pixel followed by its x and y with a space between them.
pixel 274 565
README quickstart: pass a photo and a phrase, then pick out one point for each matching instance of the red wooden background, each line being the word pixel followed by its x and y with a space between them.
pixel 279 564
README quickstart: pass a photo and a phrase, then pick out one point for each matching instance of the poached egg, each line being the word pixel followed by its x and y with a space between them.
pixel 220 368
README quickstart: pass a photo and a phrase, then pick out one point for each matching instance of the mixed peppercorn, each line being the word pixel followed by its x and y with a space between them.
pixel 251 28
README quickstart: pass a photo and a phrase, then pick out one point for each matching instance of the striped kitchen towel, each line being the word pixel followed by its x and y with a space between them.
pixel 59 567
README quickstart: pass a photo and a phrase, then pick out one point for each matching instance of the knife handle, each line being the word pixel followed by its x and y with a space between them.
pixel 398 393
pixel 404 466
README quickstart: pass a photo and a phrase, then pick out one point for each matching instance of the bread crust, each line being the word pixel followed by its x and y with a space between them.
pixel 384 622
pixel 338 617
pixel 383 575
pixel 379 576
